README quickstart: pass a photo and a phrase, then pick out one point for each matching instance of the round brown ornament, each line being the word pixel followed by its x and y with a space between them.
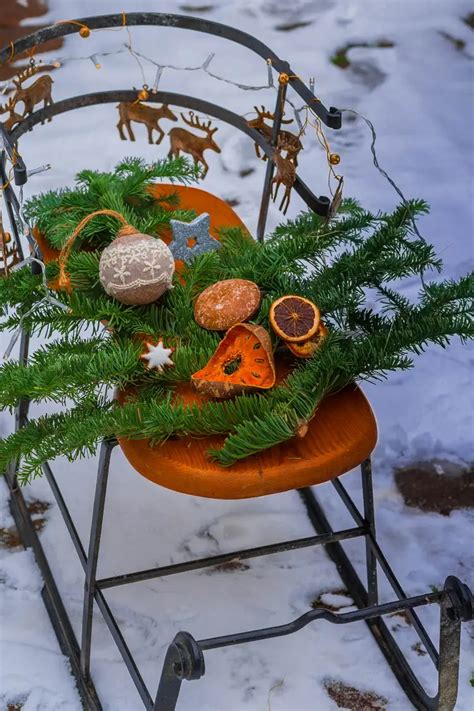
pixel 226 303
pixel 136 268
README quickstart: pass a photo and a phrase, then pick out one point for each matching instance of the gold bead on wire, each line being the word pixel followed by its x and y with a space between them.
pixel 143 94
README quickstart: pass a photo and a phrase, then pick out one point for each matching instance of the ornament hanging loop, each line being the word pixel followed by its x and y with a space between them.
pixel 126 229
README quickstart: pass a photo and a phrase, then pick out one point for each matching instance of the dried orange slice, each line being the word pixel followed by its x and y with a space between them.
pixel 294 319
pixel 309 348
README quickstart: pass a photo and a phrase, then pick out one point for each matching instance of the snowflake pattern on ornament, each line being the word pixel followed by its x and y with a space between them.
pixel 154 264
pixel 121 272
pixel 150 265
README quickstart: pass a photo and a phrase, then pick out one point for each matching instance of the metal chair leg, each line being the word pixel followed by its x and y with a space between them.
pixel 93 554
pixel 369 514
pixel 270 167
pixel 184 660
pixel 456 607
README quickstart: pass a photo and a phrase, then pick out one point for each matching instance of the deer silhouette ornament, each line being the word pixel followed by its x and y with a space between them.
pixel 285 175
pixel 183 140
pixel 286 140
pixel 14 118
pixel 40 90
pixel 141 113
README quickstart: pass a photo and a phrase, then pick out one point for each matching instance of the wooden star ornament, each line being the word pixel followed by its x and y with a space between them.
pixel 157 356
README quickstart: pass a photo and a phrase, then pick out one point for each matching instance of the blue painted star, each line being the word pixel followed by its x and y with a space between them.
pixel 192 238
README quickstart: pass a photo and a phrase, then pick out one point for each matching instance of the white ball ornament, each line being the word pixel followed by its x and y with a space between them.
pixel 135 268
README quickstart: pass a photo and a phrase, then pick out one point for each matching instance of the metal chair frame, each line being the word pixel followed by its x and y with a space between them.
pixel 185 656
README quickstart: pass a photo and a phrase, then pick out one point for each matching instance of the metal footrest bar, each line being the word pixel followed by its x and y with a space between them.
pixel 456 605
pixel 341 618
pixel 200 563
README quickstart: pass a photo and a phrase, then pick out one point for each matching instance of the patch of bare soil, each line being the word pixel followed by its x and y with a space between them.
pixel 233 202
pixel 246 171
pixel 457 42
pixel 341 59
pixel 231 567
pixel 469 20
pixel 419 649
pixel 10 538
pixel 347 697
pixel 196 8
pixel 439 486
pixel 12 13
pixel 403 615
pixel 290 26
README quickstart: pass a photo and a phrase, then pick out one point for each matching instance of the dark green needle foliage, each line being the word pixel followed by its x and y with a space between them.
pixel 349 267
pixel 125 190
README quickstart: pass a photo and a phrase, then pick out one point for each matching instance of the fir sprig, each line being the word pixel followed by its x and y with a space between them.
pixel 336 264
pixel 124 190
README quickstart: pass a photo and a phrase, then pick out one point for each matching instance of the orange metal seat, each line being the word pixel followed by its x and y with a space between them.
pixel 341 435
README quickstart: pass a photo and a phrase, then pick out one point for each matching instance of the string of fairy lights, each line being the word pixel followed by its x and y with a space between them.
pixel 303 115
pixel 97 59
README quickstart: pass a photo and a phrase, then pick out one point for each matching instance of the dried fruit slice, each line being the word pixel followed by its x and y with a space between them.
pixel 242 361
pixel 309 348
pixel 226 303
pixel 294 318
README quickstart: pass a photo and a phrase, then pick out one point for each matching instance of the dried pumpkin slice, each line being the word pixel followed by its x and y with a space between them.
pixel 294 318
pixel 243 361
pixel 309 348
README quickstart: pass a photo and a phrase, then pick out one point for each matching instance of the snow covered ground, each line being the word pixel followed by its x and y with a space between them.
pixel 418 94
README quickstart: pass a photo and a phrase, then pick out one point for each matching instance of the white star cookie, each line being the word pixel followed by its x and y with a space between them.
pixel 158 356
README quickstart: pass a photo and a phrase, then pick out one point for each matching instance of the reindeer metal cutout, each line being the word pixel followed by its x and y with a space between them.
pixel 285 175
pixel 287 141
pixel 14 118
pixel 183 140
pixel 141 113
pixel 40 90
pixel 8 252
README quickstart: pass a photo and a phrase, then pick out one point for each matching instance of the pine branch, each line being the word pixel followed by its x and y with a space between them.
pixel 124 190
pixel 60 372
pixel 333 264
